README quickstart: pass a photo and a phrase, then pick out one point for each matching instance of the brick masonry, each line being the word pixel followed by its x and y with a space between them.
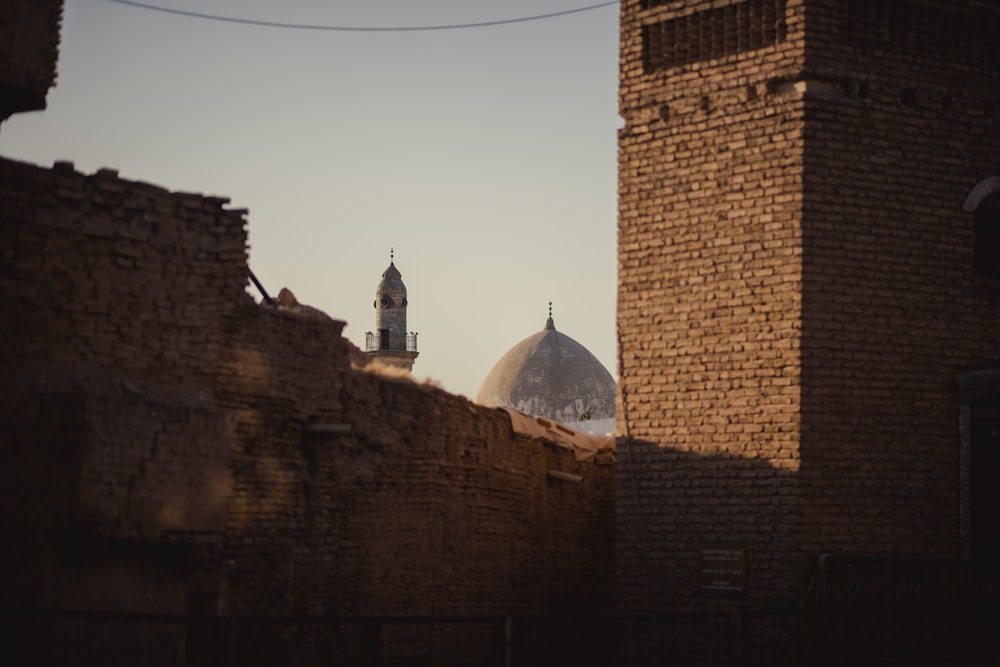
pixel 159 447
pixel 796 285
pixel 29 43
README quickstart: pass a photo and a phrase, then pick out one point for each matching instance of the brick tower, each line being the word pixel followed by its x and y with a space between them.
pixel 390 343
pixel 808 292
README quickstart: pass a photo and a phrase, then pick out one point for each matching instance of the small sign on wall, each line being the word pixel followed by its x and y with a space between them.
pixel 722 568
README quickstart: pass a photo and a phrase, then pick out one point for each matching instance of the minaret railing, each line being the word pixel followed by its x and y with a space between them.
pixel 372 342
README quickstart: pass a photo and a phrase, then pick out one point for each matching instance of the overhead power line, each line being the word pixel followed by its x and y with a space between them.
pixel 344 28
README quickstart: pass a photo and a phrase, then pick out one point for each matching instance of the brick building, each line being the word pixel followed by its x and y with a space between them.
pixel 808 297
pixel 190 477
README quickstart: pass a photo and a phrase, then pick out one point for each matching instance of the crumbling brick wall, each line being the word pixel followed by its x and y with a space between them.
pixel 124 277
pixel 356 494
pixel 171 441
pixel 428 505
pixel 114 294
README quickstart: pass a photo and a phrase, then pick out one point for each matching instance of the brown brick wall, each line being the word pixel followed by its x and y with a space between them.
pixel 428 506
pixel 796 291
pixel 113 297
pixel 102 273
pixel 29 46
pixel 708 309
pixel 892 309
pixel 159 441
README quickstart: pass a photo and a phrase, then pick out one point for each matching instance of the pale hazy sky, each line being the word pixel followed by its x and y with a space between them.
pixel 485 156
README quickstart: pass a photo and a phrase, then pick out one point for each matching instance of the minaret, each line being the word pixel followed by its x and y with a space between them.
pixel 390 343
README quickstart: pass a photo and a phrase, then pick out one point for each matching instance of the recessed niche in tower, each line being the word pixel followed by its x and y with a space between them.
pixel 714 33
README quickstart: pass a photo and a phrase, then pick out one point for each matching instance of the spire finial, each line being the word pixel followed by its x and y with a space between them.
pixel 549 324
pixel 392 254
pixel 550 310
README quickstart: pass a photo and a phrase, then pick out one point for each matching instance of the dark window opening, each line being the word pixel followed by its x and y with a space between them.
pixel 984 466
pixel 383 339
pixel 987 237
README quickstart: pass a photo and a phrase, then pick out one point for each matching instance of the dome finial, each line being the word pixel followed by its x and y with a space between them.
pixel 549 324
pixel 392 254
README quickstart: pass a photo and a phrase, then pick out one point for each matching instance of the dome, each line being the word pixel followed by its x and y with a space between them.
pixel 391 281
pixel 550 375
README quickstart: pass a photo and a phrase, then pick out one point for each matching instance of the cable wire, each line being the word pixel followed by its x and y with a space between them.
pixel 342 28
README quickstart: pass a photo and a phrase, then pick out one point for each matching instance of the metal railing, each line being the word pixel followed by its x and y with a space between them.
pixel 375 342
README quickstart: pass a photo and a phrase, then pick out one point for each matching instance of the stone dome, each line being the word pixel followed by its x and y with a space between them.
pixel 550 375
pixel 391 280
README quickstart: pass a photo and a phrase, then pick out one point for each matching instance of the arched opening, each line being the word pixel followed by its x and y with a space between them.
pixel 984 202
pixel 979 404
pixel 988 236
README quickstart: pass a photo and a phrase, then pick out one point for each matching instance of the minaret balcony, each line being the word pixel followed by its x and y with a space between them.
pixel 378 342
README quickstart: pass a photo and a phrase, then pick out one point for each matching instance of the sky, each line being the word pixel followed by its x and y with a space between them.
pixel 484 158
